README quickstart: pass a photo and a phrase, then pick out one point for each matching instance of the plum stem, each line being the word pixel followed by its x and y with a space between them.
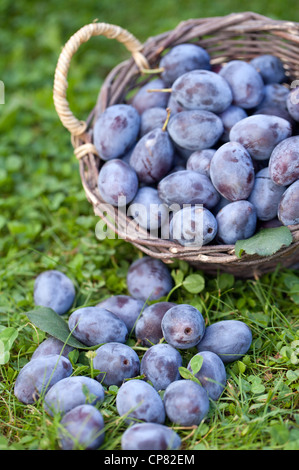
pixel 161 90
pixel 166 120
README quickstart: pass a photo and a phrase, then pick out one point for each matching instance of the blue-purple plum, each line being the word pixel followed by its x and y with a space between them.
pixel 137 400
pixel 95 325
pixel 260 134
pixel 71 392
pixel 230 117
pixel 186 402
pixel 236 221
pixel 232 171
pixel 148 279
pixel 246 83
pixel 265 195
pixel 117 182
pixel 116 130
pixel 288 209
pixel 116 362
pixel 151 119
pixel 124 307
pixel 229 339
pixel 284 162
pixel 150 436
pixel 270 67
pixel 183 326
pixel 181 59
pixel 202 89
pixel 145 99
pixel 50 346
pixel 148 329
pixel 293 103
pixel 160 365
pixel 193 226
pixel 275 95
pixel 153 155
pixel 147 209
pixel 212 374
pixel 188 187
pixel 82 428
pixel 39 375
pixel 200 161
pixel 53 289
pixel 273 223
pixel 194 130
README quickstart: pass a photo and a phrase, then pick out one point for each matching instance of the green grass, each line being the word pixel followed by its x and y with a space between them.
pixel 46 222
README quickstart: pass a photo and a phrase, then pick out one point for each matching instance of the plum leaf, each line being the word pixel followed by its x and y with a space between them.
pixel 50 322
pixel 265 243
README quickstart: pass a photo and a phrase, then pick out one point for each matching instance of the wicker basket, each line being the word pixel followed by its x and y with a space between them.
pixel 235 36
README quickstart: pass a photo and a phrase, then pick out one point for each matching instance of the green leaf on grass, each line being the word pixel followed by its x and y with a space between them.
pixel 265 242
pixel 50 322
pixel 7 338
pixel 194 283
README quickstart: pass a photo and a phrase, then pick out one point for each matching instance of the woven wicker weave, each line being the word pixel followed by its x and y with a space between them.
pixel 235 36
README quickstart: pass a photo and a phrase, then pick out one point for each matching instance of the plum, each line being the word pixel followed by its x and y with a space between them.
pixel 265 195
pixel 236 221
pixel 212 374
pixel 183 58
pixel 73 391
pixel 138 400
pixel 232 171
pixel 260 134
pixel 186 402
pixel 202 89
pixel 150 436
pixel 149 279
pixel 229 339
pixel 116 130
pixel 160 365
pixel 288 209
pixel 188 187
pixel 183 326
pixel 246 83
pixel 39 375
pixel 284 162
pixel 116 362
pixel 55 290
pixel 95 325
pixel 82 428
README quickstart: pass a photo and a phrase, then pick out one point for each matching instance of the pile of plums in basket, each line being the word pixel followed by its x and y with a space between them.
pixel 153 395
pixel 204 154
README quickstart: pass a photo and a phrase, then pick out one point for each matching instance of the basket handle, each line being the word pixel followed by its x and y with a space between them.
pixel 75 126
